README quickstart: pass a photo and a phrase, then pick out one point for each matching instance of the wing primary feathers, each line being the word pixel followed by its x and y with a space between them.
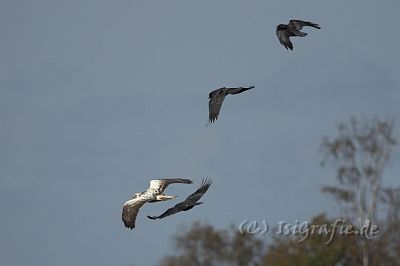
pixel 130 212
pixel 315 25
pixel 161 184
pixel 238 90
pixel 283 34
pixel 207 181
pixel 215 104
pixel 299 24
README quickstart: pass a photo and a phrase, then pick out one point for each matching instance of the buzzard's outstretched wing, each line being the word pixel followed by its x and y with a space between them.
pixel 299 24
pixel 238 90
pixel 130 211
pixel 189 202
pixel 283 36
pixel 161 184
pixel 214 105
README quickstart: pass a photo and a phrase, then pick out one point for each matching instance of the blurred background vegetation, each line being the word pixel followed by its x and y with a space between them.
pixel 358 152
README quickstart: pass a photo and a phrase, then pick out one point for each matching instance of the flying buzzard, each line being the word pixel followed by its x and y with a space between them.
pixel 217 97
pixel 154 193
pixel 292 29
pixel 189 202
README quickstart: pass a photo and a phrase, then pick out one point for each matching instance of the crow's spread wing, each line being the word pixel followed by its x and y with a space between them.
pixel 299 24
pixel 283 36
pixel 214 105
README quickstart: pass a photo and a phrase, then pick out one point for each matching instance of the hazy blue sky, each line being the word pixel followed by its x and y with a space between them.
pixel 99 97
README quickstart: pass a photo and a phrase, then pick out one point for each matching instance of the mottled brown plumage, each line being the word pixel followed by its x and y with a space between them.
pixel 155 193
